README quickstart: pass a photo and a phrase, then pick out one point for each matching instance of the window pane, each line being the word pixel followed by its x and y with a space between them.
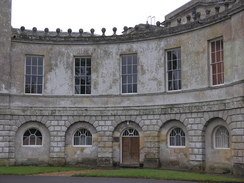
pixel 77 62
pixel 28 70
pixel 40 61
pixel 217 62
pixel 39 89
pixel 177 137
pixel 88 61
pixel 34 61
pixel 129 73
pixel 34 68
pixel 124 88
pixel 174 69
pixel 40 70
pixel 28 60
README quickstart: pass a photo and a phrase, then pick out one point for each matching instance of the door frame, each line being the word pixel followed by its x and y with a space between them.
pixel 135 134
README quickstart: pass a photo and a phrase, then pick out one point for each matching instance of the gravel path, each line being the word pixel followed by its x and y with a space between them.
pixel 67 173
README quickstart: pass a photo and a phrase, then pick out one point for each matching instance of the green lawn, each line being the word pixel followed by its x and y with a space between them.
pixel 132 173
pixel 28 170
pixel 159 174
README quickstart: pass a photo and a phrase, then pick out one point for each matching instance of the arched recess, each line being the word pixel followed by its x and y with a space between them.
pixel 81 144
pixel 32 144
pixel 128 143
pixel 174 145
pixel 218 151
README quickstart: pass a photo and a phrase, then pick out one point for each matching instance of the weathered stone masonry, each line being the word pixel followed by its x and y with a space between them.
pixel 198 108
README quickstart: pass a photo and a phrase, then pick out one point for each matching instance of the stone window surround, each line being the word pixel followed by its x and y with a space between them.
pixel 76 126
pixel 178 69
pixel 126 74
pixel 82 145
pixel 85 85
pixel 221 61
pixel 32 145
pixel 181 138
pixel 214 137
pixel 37 75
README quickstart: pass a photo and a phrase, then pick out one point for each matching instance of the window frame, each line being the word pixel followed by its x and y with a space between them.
pixel 178 70
pixel 133 74
pixel 31 145
pixel 33 75
pixel 214 137
pixel 217 62
pixel 85 85
pixel 169 138
pixel 86 145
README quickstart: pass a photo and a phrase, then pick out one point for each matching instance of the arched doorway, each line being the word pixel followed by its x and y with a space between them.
pixel 130 147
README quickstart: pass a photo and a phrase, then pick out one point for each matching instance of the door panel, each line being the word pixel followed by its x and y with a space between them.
pixel 130 150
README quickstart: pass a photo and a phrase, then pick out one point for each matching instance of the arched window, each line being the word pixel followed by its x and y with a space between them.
pixel 177 137
pixel 32 137
pixel 221 138
pixel 82 137
pixel 130 132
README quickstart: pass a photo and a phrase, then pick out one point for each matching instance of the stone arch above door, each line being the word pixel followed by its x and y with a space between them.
pixel 127 129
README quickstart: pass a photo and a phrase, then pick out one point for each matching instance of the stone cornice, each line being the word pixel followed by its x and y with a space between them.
pixel 46 37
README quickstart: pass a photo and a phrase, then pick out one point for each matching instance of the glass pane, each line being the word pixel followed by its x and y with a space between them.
pixel 123 60
pixel 83 61
pixel 77 81
pixel 124 90
pixel 40 70
pixel 135 59
pixel 169 56
pixel 83 90
pixel 135 79
pixel 77 89
pixel 28 69
pixel 88 62
pixel 134 69
pixel 27 79
pixel 34 70
pixel 27 88
pixel 124 80
pixel 129 69
pixel 28 60
pixel 123 69
pixel 39 80
pixel 175 64
pixel 88 90
pixel 134 88
pixel 170 87
pixel 89 140
pixel 83 80
pixel 88 80
pixel 77 71
pixel 170 65
pixel 130 79
pixel 40 61
pixel 34 61
pixel 129 88
pixel 129 60
pixel 77 62
pixel 34 80
pixel 39 141
pixel 39 88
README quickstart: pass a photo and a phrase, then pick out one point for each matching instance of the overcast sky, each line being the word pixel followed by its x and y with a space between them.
pixel 87 14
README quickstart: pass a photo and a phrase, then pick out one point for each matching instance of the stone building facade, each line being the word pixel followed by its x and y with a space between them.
pixel 165 96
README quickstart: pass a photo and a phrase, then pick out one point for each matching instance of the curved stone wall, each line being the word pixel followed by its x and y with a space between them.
pixel 198 108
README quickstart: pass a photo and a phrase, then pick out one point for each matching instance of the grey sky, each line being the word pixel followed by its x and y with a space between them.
pixel 87 14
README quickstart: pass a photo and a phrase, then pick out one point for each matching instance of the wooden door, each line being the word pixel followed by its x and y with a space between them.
pixel 130 150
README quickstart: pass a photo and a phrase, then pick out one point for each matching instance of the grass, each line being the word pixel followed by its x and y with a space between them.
pixel 128 173
pixel 29 170
pixel 159 174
